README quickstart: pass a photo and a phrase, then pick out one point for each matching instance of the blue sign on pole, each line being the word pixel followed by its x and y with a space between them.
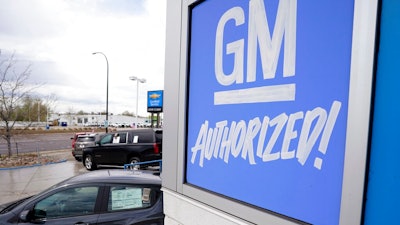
pixel 267 103
pixel 155 101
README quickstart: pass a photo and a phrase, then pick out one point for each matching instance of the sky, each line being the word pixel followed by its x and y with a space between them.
pixel 57 38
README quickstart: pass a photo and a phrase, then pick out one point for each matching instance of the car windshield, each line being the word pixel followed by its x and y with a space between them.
pixel 84 139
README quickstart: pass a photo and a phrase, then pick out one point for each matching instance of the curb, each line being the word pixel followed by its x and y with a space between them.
pixel 34 165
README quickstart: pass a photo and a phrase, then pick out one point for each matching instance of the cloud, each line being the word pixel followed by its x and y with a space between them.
pixel 58 38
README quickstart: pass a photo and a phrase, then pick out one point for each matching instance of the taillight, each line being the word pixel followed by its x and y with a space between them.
pixel 156 148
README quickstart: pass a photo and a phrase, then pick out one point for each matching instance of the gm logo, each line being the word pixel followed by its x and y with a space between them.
pixel 258 37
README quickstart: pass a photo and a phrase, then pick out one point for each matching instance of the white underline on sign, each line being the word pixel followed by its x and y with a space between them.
pixel 275 93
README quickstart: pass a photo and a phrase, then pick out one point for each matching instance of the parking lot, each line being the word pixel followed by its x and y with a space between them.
pixel 20 182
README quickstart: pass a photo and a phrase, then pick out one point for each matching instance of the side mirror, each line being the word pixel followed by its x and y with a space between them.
pixel 24 216
pixel 38 217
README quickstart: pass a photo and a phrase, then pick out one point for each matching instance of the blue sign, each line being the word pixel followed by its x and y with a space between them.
pixel 267 103
pixel 155 101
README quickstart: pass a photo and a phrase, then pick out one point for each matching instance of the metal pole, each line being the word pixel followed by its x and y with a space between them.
pixel 38 115
pixel 137 94
pixel 106 122
pixel 137 101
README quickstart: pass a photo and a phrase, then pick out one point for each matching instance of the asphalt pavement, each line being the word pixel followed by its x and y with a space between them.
pixel 16 183
pixel 24 143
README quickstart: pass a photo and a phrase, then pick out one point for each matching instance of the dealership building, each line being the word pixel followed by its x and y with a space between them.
pixel 281 112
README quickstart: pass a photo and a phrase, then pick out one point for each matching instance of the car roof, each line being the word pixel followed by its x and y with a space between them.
pixel 141 130
pixel 114 176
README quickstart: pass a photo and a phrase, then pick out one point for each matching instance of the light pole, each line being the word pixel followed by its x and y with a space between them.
pixel 38 114
pixel 106 122
pixel 137 94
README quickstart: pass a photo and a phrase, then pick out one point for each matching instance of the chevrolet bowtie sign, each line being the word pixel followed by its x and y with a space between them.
pixel 155 101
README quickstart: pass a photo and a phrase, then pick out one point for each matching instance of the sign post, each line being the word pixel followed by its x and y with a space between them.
pixel 155 105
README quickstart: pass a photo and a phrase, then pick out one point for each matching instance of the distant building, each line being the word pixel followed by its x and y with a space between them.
pixel 96 120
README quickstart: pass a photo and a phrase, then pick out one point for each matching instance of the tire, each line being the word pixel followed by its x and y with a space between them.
pixel 88 162
pixel 134 160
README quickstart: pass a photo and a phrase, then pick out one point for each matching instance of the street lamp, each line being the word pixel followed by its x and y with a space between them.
pixel 106 122
pixel 137 94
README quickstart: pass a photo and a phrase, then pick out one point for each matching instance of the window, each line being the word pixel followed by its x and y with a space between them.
pixel 86 139
pixel 158 134
pixel 122 138
pixel 71 202
pixel 122 198
pixel 119 138
pixel 114 138
pixel 142 137
pixel 107 139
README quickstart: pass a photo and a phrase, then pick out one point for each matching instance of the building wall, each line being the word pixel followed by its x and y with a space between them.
pixel 182 210
pixel 96 120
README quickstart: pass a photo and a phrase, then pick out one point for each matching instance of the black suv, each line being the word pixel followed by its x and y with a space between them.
pixel 124 147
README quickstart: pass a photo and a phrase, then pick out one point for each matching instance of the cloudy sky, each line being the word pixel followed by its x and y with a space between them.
pixel 58 37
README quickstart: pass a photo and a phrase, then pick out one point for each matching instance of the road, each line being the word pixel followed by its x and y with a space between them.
pixel 37 142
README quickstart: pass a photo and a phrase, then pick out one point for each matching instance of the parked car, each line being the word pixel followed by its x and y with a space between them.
pixel 73 139
pixel 83 141
pixel 144 125
pixel 120 125
pixel 124 147
pixel 100 197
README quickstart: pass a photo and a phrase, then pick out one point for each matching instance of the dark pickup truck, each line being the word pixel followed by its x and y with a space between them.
pixel 124 147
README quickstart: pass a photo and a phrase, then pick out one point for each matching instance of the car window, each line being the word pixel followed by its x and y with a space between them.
pixel 86 139
pixel 122 137
pixel 119 138
pixel 70 202
pixel 107 139
pixel 114 138
pixel 123 198
pixel 158 136
pixel 141 137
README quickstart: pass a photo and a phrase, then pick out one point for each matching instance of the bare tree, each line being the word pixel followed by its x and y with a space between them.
pixel 49 103
pixel 127 113
pixel 12 93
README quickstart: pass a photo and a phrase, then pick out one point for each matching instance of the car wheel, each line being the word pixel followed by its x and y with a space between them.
pixel 132 161
pixel 88 163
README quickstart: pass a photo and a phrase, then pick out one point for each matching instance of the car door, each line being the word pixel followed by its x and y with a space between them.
pixel 129 204
pixel 101 152
pixel 74 205
pixel 111 151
